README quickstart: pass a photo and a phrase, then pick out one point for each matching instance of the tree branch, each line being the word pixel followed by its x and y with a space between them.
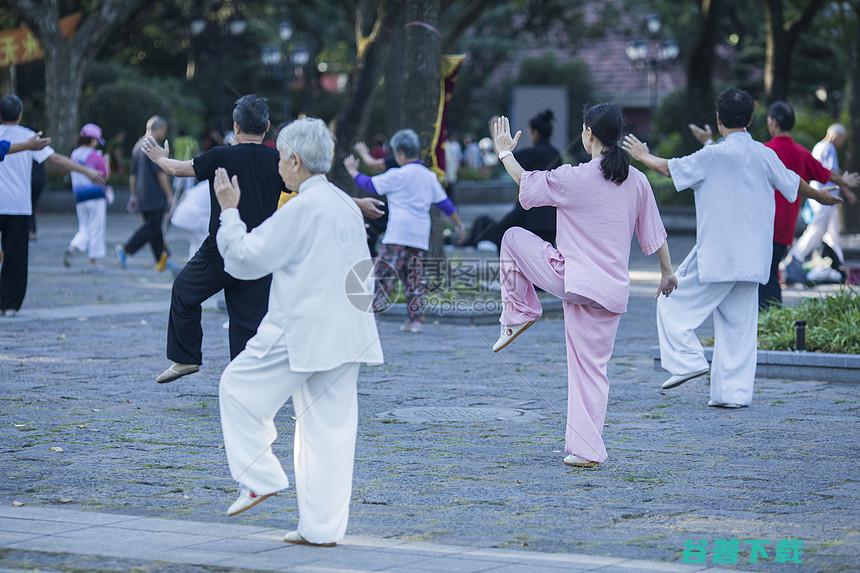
pixel 467 17
pixel 801 24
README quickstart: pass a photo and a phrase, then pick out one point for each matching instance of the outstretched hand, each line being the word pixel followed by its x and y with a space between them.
pixel 350 163
pixel 153 150
pixel 226 191
pixel 637 149
pixel 500 129
pixel 851 179
pixel 37 142
pixel 701 135
pixel 371 208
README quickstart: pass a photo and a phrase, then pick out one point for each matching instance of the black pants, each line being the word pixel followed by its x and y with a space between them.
pixel 202 277
pixel 149 232
pixel 771 293
pixel 38 180
pixel 16 250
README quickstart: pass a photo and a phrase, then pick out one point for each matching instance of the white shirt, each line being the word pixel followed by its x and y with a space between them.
pixel 315 247
pixel 453 157
pixel 15 171
pixel 192 213
pixel 733 181
pixel 411 190
pixel 825 152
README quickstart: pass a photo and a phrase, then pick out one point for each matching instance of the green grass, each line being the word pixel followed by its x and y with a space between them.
pixel 832 324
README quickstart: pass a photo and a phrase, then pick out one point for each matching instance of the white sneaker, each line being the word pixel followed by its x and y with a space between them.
pixel 578 462
pixel 679 379
pixel 246 500
pixel 715 404
pixel 509 334
pixel 295 538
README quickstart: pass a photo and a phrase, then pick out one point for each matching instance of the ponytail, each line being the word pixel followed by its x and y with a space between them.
pixel 615 164
pixel 606 123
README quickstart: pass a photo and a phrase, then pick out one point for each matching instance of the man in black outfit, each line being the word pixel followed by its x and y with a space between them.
pixel 256 166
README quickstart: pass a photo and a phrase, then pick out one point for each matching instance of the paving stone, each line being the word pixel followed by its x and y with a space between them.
pixel 38 526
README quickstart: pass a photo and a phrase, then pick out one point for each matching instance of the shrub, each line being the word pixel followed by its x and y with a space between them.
pixel 121 106
pixel 832 324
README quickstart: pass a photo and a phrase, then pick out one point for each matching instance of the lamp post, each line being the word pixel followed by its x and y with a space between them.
pixel 650 55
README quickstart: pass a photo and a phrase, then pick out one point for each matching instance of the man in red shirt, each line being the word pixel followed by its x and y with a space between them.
pixel 780 121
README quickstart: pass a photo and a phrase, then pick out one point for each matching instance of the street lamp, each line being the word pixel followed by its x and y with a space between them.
pixel 237 26
pixel 285 31
pixel 651 55
pixel 301 56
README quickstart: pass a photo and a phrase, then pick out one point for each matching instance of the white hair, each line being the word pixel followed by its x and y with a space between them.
pixel 311 140
pixel 836 129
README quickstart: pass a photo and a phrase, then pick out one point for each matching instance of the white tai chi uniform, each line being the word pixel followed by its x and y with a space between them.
pixel 192 215
pixel 308 347
pixel 826 223
pixel 733 183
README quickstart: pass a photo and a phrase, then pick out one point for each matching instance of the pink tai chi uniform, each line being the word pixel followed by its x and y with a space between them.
pixel 588 271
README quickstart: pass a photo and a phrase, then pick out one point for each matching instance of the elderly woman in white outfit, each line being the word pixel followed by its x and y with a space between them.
pixel 310 344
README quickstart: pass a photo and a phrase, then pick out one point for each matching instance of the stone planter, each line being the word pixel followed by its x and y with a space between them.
pixel 792 365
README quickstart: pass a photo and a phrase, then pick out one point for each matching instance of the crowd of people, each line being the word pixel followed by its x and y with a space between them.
pixel 282 239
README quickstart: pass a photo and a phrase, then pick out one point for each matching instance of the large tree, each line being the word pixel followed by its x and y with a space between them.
pixel 781 39
pixel 374 23
pixel 700 68
pixel 66 59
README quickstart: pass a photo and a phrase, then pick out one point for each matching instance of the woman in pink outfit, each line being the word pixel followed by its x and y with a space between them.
pixel 600 205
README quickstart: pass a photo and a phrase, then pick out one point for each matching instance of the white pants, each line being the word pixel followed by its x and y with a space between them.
pixel 253 389
pixel 734 306
pixel 826 226
pixel 92 221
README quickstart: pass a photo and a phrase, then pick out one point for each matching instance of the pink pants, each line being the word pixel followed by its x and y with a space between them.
pixel 528 261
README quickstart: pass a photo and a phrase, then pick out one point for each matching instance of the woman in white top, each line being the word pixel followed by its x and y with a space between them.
pixel 411 189
pixel 309 346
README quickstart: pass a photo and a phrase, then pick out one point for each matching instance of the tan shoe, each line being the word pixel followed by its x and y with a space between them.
pixel 295 538
pixel 578 462
pixel 162 262
pixel 509 334
pixel 177 371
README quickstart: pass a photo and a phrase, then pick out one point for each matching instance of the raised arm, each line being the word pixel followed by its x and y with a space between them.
pixel 823 197
pixel 500 130
pixel 35 143
pixel 369 160
pixel 64 163
pixel 161 157
pixel 639 151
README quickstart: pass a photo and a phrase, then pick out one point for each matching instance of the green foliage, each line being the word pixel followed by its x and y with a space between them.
pixel 664 189
pixel 122 106
pixel 832 324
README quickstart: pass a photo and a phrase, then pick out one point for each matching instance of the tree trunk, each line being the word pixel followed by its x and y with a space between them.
pixel 700 72
pixel 372 37
pixel 422 59
pixel 852 212
pixel 776 53
pixel 64 77
pixel 395 79
pixel 781 39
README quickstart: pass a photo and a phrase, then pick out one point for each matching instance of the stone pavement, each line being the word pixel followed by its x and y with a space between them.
pixel 457 446
pixel 136 539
